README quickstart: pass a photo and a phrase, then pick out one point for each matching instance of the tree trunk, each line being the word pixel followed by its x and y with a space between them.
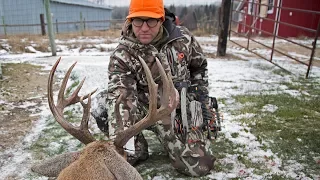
pixel 223 27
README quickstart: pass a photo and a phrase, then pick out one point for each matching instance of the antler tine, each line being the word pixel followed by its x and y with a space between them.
pixel 153 89
pixel 50 83
pixel 117 112
pixel 86 115
pixel 81 133
pixel 74 98
pixel 62 102
pixel 123 136
pixel 86 96
pixel 168 93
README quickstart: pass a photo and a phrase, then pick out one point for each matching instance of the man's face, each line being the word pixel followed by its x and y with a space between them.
pixel 146 29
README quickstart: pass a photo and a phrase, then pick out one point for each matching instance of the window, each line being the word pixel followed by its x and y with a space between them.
pixel 250 7
pixel 240 17
pixel 253 7
pixel 270 6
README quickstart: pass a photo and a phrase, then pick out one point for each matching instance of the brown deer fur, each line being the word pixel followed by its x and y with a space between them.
pixel 99 161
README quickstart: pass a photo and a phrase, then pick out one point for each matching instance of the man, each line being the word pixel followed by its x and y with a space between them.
pixel 150 32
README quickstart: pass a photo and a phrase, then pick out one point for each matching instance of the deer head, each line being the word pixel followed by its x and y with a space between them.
pixel 101 159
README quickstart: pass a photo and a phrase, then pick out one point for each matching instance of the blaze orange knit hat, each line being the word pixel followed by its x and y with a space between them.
pixel 146 8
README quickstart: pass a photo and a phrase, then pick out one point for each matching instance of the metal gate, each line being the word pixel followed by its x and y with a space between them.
pixel 277 20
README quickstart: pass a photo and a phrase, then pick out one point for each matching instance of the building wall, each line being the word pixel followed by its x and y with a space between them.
pixel 24 13
pixel 306 20
pixel 63 13
pixel 1 9
pixel 303 19
pixel 269 25
pixel 21 12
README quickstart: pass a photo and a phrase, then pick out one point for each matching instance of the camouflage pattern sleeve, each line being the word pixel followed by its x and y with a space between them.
pixel 121 81
pixel 198 71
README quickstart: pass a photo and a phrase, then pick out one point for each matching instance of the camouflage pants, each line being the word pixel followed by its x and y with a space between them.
pixel 192 158
pixel 190 155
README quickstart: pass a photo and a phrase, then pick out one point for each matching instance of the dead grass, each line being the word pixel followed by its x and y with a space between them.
pixel 200 32
pixel 21 84
pixel 109 33
pixel 19 42
pixel 41 43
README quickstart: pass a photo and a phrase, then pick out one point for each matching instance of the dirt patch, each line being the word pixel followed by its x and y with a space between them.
pixel 22 90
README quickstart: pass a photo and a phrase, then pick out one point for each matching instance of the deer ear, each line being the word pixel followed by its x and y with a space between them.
pixel 53 166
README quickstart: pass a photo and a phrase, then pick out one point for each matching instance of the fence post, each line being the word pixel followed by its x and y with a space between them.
pixel 50 30
pixel 43 25
pixel 275 30
pixel 4 26
pixel 224 27
pixel 81 24
pixel 314 46
pixel 57 26
pixel 248 34
pixel 230 20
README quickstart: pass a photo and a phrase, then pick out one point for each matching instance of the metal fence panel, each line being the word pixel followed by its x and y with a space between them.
pixel 252 24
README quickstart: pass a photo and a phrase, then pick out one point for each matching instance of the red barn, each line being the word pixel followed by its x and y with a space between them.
pixel 260 15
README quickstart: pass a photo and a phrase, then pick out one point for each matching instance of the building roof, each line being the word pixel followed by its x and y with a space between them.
pixel 82 3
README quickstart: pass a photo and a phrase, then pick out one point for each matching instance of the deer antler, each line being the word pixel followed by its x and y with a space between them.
pixel 154 114
pixel 107 164
pixel 81 133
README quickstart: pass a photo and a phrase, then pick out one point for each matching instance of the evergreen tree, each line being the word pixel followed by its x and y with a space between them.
pixel 184 12
pixel 172 8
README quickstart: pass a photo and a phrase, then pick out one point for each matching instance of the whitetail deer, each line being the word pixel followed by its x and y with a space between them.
pixel 102 159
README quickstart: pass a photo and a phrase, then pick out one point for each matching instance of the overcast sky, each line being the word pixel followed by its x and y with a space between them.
pixel 167 2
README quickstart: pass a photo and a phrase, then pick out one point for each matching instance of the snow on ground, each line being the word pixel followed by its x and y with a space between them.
pixel 223 76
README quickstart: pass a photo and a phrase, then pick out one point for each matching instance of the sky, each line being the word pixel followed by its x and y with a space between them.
pixel 166 2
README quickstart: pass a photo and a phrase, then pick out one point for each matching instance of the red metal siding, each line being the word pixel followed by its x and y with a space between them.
pixel 303 19
pixel 261 23
pixel 307 20
pixel 267 24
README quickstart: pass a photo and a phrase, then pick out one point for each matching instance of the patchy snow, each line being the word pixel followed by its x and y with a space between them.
pixel 269 108
pixel 30 49
pixel 2 51
pixel 226 78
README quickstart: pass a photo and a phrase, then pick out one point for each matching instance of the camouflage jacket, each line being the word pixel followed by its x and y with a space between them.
pixel 179 53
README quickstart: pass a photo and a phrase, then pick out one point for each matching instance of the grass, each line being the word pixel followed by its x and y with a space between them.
pixel 54 140
pixel 293 129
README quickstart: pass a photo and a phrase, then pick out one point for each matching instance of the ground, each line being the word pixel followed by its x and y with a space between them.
pixel 256 97
pixel 21 84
